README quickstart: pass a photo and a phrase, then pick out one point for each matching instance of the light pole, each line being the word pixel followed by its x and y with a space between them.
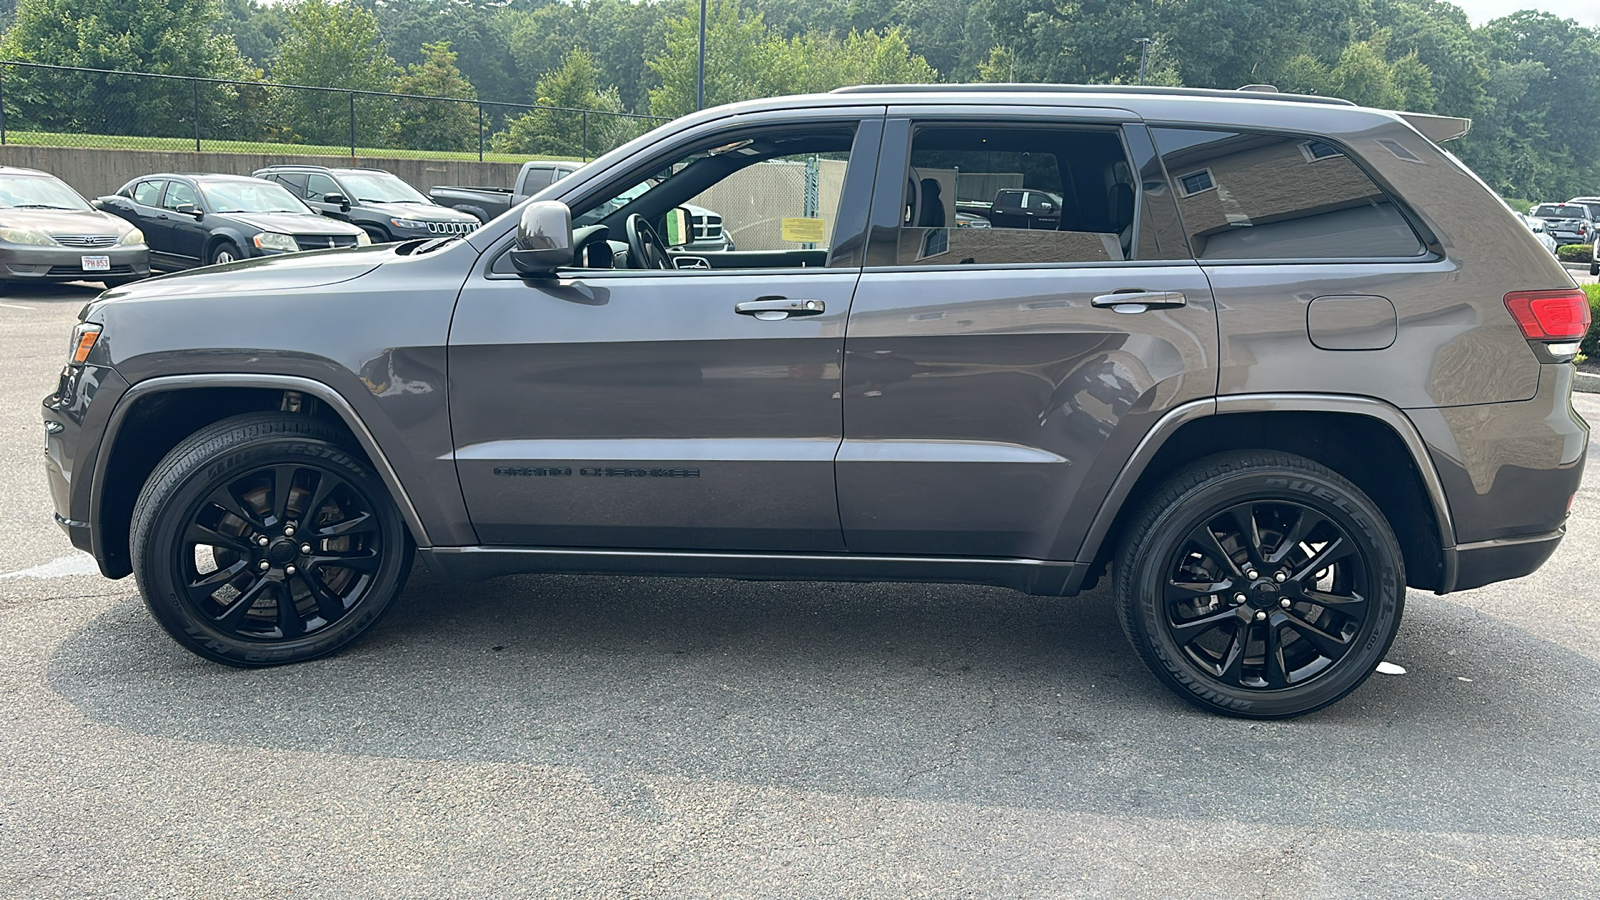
pixel 700 82
pixel 1144 50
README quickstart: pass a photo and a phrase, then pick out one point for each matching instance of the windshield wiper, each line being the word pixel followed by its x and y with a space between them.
pixel 41 206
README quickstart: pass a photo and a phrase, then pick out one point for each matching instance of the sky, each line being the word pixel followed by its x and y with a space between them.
pixel 1587 12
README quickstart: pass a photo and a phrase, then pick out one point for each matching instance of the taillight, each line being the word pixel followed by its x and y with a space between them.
pixel 1550 315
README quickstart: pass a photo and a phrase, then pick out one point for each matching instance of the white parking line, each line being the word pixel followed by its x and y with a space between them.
pixel 14 306
pixel 65 567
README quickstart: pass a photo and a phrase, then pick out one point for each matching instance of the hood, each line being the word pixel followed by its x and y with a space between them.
pixel 290 271
pixel 65 221
pixel 425 212
pixel 293 223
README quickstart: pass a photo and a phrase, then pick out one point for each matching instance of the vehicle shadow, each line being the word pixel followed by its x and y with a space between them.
pixel 67 292
pixel 941 693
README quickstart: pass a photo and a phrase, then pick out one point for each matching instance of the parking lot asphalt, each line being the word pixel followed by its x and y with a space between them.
pixel 641 737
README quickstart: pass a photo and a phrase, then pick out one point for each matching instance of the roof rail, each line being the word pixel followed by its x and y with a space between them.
pixel 1146 89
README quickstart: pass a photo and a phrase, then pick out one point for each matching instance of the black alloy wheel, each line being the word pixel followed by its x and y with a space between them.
pixel 261 541
pixel 1261 585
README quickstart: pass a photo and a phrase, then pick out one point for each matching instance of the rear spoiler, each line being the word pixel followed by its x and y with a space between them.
pixel 1437 128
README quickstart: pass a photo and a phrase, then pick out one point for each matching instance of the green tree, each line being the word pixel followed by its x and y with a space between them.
pixel 562 132
pixel 332 44
pixel 744 60
pixel 170 37
pixel 435 124
pixel 473 29
pixel 738 58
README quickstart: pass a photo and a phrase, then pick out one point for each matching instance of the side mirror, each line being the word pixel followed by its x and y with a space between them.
pixel 188 209
pixel 679 227
pixel 340 199
pixel 544 239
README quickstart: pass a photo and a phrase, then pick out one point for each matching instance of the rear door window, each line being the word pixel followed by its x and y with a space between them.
pixel 1016 195
pixel 1247 196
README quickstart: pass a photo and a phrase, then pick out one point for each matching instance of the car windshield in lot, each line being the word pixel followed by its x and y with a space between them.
pixel 38 192
pixel 381 187
pixel 250 197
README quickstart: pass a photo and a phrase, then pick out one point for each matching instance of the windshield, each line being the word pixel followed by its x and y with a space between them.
pixel 250 197
pixel 380 187
pixel 38 192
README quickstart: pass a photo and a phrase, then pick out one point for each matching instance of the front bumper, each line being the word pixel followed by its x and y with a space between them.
pixel 20 262
pixel 75 419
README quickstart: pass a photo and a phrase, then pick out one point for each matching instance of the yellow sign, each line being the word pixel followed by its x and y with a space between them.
pixel 805 231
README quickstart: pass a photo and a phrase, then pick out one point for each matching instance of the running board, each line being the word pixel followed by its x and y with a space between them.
pixel 1032 576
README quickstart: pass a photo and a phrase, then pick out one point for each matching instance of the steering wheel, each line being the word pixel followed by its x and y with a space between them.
pixel 645 248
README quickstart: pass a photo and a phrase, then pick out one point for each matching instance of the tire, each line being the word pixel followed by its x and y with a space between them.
pixel 266 476
pixel 1594 268
pixel 1178 593
pixel 224 253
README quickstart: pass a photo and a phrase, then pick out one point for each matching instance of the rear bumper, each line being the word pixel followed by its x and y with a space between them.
pixel 1486 562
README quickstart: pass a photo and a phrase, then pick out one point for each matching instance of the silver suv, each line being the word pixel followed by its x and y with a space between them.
pixel 1278 359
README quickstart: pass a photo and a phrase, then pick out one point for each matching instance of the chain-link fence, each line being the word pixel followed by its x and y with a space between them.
pixel 61 106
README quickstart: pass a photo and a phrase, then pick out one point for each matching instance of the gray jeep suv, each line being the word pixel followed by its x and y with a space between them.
pixel 1278 359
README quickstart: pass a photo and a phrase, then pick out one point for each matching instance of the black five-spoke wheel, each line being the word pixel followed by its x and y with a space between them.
pixel 1260 585
pixel 262 540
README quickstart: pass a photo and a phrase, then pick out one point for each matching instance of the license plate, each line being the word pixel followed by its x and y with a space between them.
pixel 97 263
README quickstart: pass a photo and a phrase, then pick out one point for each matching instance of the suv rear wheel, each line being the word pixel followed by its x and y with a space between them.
pixel 261 540
pixel 1260 585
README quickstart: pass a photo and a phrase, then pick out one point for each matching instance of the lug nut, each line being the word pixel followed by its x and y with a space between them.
pixel 288 529
pixel 306 549
pixel 1281 577
pixel 1250 574
pixel 1260 616
pixel 264 565
pixel 1285 603
pixel 1239 598
pixel 289 570
pixel 262 541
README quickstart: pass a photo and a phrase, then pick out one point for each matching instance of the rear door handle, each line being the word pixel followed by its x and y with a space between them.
pixel 771 308
pixel 1129 302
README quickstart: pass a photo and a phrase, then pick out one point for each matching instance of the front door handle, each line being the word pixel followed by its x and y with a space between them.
pixel 1138 301
pixel 771 308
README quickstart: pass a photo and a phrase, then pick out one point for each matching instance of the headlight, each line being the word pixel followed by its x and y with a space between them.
pixel 83 338
pixel 26 236
pixel 272 240
pixel 408 223
pixel 132 237
pixel 363 240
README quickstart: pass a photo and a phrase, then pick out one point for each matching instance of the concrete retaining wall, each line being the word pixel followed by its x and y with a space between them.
pixel 95 172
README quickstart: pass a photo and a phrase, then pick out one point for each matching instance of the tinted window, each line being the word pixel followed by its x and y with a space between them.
pixel 179 193
pixel 1267 196
pixel 294 181
pixel 319 185
pixel 537 180
pixel 1561 211
pixel 986 195
pixel 147 193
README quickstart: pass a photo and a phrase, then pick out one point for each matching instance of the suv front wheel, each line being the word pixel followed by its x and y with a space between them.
pixel 262 540
pixel 1260 585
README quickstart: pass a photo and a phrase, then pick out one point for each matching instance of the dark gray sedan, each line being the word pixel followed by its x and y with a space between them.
pixel 48 232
